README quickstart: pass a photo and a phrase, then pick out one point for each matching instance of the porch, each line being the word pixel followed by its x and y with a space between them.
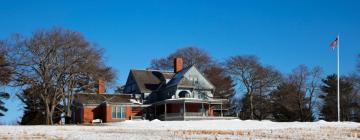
pixel 189 109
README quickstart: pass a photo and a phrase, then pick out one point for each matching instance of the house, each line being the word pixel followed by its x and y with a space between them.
pixel 106 107
pixel 182 94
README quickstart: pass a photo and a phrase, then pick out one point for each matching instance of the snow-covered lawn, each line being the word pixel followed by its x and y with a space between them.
pixel 215 129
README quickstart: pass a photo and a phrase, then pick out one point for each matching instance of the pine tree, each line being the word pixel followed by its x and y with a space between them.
pixel 348 99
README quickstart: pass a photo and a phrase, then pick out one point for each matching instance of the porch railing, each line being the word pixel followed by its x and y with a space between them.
pixel 186 114
pixel 195 114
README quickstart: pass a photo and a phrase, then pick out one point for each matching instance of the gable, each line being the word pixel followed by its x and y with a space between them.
pixel 131 85
pixel 199 80
pixel 190 77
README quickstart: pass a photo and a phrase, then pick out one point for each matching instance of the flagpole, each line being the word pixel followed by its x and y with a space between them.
pixel 338 77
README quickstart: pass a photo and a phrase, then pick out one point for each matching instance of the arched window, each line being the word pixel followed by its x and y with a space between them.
pixel 184 94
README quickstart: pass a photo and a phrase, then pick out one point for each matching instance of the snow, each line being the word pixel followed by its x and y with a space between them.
pixel 207 129
pixel 228 124
pixel 135 101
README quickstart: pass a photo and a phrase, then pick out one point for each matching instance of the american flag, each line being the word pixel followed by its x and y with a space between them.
pixel 334 43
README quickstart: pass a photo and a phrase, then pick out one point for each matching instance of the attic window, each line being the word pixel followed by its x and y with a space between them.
pixel 194 79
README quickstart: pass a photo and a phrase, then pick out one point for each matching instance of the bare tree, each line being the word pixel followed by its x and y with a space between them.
pixel 253 79
pixel 268 80
pixel 285 102
pixel 243 68
pixel 190 55
pixel 224 84
pixel 307 82
pixel 5 74
pixel 58 61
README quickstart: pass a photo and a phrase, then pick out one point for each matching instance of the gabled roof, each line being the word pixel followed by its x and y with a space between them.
pixel 94 98
pixel 179 79
pixel 150 80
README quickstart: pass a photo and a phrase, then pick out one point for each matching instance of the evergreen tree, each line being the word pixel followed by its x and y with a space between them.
pixel 348 99
pixel 34 111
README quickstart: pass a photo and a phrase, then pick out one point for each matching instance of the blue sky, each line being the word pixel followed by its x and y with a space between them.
pixel 281 33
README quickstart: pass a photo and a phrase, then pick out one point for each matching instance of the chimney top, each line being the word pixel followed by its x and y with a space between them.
pixel 101 87
pixel 178 64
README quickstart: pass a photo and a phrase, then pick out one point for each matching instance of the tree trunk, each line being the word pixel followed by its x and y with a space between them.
pixel 52 110
pixel 251 106
pixel 68 114
pixel 47 112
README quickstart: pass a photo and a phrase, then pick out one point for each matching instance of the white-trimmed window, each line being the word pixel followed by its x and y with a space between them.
pixel 119 112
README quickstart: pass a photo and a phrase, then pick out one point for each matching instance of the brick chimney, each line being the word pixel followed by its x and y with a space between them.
pixel 178 64
pixel 101 87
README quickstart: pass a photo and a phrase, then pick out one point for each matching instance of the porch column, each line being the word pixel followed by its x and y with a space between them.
pixel 165 112
pixel 184 109
pixel 209 110
pixel 221 110
pixel 202 109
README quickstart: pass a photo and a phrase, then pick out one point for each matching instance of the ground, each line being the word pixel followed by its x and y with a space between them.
pixel 216 129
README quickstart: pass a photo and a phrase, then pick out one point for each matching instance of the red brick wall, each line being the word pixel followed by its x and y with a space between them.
pixel 103 112
pixel 107 113
pixel 88 115
pixel 128 112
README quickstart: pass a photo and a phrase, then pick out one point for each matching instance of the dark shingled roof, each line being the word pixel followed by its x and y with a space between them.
pixel 150 80
pixel 186 83
pixel 94 98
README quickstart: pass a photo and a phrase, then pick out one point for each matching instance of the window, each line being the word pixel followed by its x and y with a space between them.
pixel 184 94
pixel 194 79
pixel 118 112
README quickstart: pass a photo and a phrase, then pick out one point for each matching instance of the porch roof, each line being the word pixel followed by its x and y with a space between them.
pixel 192 100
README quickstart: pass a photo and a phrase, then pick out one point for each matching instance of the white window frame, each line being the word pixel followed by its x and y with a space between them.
pixel 118 110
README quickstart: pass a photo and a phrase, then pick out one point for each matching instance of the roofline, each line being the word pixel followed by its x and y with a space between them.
pixel 190 100
pixel 167 71
pixel 117 94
